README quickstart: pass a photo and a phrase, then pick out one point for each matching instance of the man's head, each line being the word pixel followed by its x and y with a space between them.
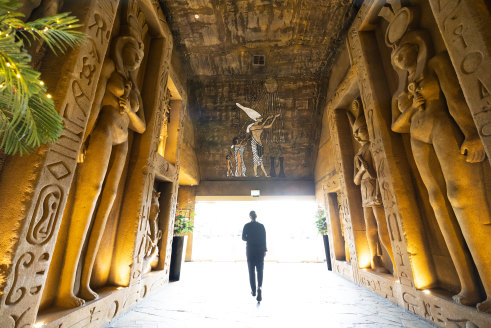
pixel 252 215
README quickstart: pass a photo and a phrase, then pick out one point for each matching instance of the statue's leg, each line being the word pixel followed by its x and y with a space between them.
pixel 115 169
pixel 372 238
pixel 383 233
pixel 430 169
pixel 90 180
pixel 264 170
pixel 467 194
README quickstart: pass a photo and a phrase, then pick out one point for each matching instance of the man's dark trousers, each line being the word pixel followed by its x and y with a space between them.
pixel 255 262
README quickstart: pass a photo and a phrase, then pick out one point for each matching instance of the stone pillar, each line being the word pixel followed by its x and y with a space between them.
pixel 466 30
pixel 186 200
pixel 34 188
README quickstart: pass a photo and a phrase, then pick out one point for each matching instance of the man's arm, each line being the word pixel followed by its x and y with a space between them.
pixel 244 233
pixel 265 247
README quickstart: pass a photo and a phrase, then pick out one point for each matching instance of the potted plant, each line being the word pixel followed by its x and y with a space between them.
pixel 183 225
pixel 321 224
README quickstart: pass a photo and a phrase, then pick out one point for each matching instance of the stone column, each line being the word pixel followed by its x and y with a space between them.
pixel 466 30
pixel 186 200
pixel 34 188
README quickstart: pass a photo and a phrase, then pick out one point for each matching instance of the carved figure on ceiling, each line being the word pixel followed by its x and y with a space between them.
pixel 256 129
pixel 238 146
pixel 366 177
pixel 116 110
pixel 449 155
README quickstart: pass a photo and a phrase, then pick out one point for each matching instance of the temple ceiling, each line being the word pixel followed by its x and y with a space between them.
pixel 220 37
pixel 229 48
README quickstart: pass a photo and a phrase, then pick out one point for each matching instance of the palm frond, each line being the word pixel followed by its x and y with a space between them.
pixel 28 117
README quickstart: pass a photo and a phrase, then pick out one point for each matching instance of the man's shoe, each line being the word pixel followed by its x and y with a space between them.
pixel 259 296
pixel 253 293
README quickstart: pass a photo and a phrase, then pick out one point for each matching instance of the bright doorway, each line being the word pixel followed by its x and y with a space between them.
pixel 290 230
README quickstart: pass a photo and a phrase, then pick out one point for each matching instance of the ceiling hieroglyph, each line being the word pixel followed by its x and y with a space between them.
pixel 219 37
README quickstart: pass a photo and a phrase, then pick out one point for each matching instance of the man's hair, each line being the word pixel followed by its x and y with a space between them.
pixel 253 215
pixel 235 141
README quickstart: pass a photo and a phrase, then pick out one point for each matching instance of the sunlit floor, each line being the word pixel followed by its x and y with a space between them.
pixel 212 294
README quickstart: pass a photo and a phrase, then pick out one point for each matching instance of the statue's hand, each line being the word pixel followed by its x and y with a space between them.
pixel 418 101
pixel 474 150
pixel 124 105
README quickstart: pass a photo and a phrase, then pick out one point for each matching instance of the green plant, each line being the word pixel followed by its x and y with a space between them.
pixel 183 223
pixel 27 113
pixel 321 222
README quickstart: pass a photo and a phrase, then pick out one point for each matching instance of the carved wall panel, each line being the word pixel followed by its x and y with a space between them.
pixel 398 177
pixel 46 187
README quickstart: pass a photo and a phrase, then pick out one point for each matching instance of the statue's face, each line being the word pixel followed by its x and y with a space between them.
pixel 131 57
pixel 406 56
pixel 361 134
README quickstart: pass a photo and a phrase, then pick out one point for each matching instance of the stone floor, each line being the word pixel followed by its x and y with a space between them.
pixel 216 294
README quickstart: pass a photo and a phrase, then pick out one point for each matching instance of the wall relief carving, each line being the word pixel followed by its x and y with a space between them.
pixel 366 177
pixel 117 108
pixel 447 149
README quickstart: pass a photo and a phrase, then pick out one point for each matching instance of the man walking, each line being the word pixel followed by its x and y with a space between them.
pixel 255 236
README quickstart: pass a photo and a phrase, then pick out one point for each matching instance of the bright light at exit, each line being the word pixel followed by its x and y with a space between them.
pixel 290 230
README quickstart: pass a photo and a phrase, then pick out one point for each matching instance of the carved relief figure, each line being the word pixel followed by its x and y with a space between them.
pixel 238 145
pixel 256 129
pixel 366 177
pixel 449 155
pixel 163 130
pixel 116 110
pixel 153 233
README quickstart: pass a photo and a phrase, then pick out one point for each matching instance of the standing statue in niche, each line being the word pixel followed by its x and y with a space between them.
pixel 116 110
pixel 366 177
pixel 256 129
pixel 153 234
pixel 449 155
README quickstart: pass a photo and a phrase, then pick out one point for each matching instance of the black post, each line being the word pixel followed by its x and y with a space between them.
pixel 282 172
pixel 328 252
pixel 176 258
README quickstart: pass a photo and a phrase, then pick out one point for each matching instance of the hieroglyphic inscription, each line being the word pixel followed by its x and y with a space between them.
pixel 45 215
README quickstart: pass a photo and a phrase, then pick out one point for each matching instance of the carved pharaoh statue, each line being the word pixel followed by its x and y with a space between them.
pixel 449 155
pixel 116 110
pixel 366 177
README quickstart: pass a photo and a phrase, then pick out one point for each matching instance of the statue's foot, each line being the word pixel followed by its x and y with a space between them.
pixel 69 301
pixel 88 294
pixel 484 306
pixel 467 298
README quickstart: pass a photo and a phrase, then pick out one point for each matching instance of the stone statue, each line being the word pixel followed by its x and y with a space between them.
pixel 366 177
pixel 153 234
pixel 449 155
pixel 116 109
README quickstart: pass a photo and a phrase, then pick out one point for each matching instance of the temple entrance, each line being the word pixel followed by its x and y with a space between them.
pixel 289 222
